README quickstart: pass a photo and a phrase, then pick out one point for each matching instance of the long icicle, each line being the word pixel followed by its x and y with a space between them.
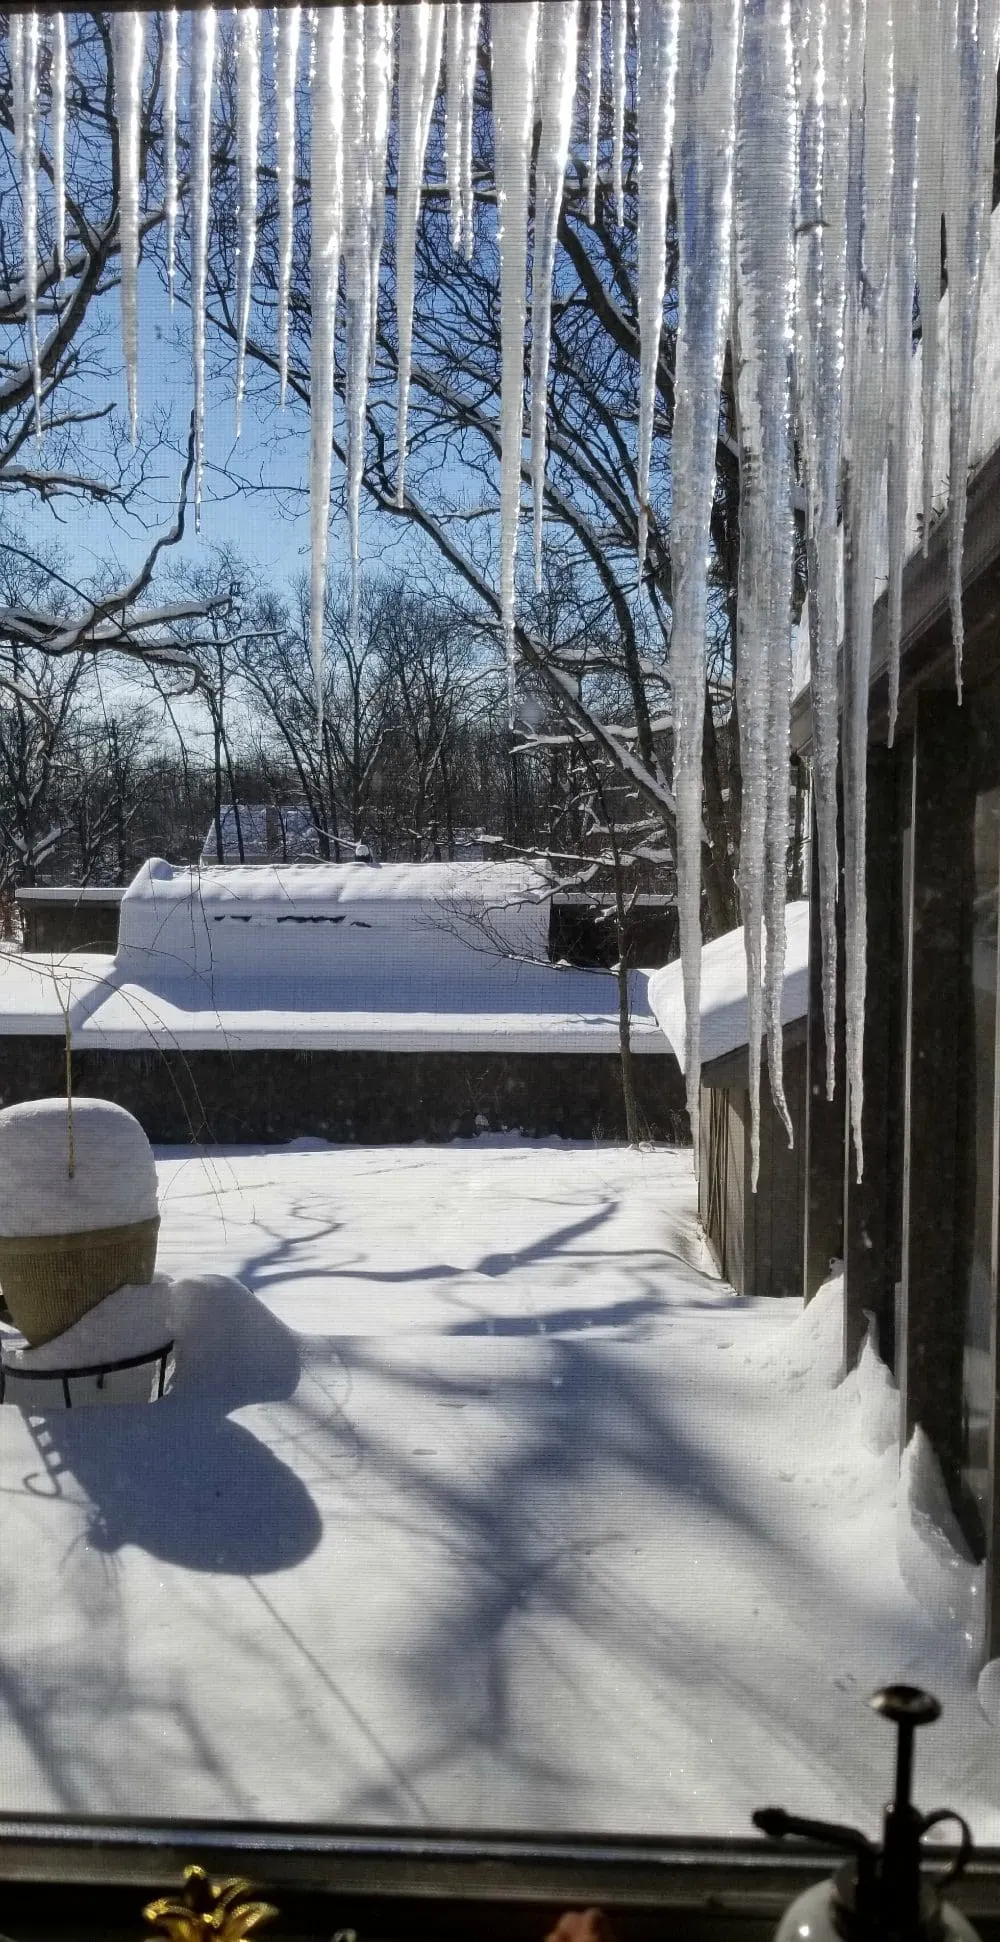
pixel 822 274
pixel 472 13
pixel 326 181
pixel 130 49
pixel 358 270
pixel 658 27
pixel 378 94
pixel 286 72
pixel 594 28
pixel 764 284
pixel 864 502
pixel 420 36
pixel 60 78
pixel 969 180
pixel 703 143
pixel 513 33
pixel 557 49
pixel 619 42
pixel 26 87
pixel 15 56
pixel 202 72
pixel 899 321
pixel 454 62
pixel 171 74
pixel 247 137
pixel 930 214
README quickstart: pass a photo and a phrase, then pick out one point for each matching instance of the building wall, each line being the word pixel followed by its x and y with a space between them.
pixel 365 1097
pixel 70 925
pixel 757 1238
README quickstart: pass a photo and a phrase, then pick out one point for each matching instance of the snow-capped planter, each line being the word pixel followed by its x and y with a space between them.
pixel 78 1210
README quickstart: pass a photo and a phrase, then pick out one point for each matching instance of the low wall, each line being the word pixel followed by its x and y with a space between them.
pixel 70 926
pixel 371 1098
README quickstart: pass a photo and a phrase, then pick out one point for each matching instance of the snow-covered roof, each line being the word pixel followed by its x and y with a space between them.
pixel 402 957
pixel 330 921
pixel 724 990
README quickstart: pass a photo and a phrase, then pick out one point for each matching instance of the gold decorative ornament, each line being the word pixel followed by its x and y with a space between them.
pixel 208 1911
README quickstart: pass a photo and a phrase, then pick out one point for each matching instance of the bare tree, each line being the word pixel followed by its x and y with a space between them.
pixel 79 451
pixel 591 496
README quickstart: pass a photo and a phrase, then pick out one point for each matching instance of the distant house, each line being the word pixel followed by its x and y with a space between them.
pixel 261 833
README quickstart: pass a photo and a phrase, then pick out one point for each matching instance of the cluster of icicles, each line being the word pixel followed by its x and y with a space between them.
pixel 815 148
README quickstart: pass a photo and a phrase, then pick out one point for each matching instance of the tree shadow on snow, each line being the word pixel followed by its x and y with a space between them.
pixel 177 1478
pixel 597 1458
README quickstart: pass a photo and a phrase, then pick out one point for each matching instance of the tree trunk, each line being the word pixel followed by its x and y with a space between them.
pixel 625 1049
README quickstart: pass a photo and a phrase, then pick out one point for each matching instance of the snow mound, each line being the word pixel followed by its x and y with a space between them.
pixel 228 1347
pixel 114 1178
pixel 988 1691
pixel 131 1321
pixel 879 1400
pixel 814 1344
pixel 934 1560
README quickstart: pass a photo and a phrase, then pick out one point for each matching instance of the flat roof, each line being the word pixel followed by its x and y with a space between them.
pixel 71 894
pixel 503 1007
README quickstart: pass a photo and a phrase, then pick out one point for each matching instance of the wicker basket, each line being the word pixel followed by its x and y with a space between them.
pixel 49 1280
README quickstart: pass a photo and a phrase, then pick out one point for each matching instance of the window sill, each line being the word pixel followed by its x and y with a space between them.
pixel 85 1878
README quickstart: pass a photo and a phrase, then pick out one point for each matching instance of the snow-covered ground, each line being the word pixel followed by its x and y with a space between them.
pixel 495 1507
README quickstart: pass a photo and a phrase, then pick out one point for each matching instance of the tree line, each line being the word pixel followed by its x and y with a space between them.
pixel 416 758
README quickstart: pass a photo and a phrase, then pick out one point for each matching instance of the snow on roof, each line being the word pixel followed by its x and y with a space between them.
pixel 724 990
pixel 331 921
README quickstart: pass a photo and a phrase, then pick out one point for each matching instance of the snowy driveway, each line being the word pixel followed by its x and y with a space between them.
pixel 499 1510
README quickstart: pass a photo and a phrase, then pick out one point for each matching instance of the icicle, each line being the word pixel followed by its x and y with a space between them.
pixel 326 181
pixel 60 74
pixel 930 212
pixel 969 181
pixel 420 35
pixel 286 69
pixel 619 37
pixel 863 504
pixel 15 55
pixel 247 135
pixel 453 119
pixel 703 140
pixel 593 105
pixel 171 71
pixel 822 269
pixel 556 90
pixel 468 118
pixel 764 279
pixel 514 33
pixel 656 84
pixel 202 68
pixel 357 282
pixel 908 28
pixel 129 31
pixel 463 42
pixel 24 51
pixel 378 95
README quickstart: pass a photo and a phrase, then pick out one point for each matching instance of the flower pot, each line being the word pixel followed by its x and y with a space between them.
pixel 49 1281
pixel 78 1212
